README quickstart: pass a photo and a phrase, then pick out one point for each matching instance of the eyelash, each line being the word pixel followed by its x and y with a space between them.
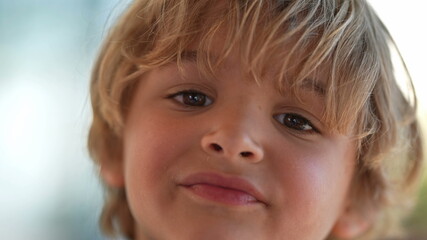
pixel 183 97
pixel 292 121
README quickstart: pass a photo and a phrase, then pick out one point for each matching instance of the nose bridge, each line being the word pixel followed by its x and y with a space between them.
pixel 238 121
pixel 234 133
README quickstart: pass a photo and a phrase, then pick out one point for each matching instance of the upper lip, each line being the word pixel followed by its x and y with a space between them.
pixel 231 182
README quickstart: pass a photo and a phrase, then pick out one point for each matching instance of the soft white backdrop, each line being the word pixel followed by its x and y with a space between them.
pixel 49 189
pixel 407 22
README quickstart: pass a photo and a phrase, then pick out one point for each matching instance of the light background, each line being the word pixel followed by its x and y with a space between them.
pixel 49 187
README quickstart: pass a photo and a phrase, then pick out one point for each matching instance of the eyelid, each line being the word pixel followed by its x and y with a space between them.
pixel 314 129
pixel 190 91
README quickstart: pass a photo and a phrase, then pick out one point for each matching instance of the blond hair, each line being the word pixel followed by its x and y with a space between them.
pixel 343 38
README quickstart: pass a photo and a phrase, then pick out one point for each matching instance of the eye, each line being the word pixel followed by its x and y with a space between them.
pixel 192 98
pixel 296 122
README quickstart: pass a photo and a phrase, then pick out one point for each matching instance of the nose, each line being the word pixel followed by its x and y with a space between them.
pixel 233 141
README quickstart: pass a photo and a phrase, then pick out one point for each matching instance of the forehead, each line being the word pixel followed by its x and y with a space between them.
pixel 315 83
pixel 283 60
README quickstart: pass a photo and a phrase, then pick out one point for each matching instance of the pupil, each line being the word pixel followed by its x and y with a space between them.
pixel 194 99
pixel 295 122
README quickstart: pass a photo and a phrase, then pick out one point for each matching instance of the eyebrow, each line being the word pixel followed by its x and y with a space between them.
pixel 189 56
pixel 313 85
pixel 307 84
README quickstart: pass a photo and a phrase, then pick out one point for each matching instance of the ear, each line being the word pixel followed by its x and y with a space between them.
pixel 351 224
pixel 112 173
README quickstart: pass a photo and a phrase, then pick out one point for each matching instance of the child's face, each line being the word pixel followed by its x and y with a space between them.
pixel 230 159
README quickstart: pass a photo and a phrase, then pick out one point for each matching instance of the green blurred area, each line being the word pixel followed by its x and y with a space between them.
pixel 417 222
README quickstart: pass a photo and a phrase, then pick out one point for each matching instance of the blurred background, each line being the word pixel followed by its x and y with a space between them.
pixel 49 187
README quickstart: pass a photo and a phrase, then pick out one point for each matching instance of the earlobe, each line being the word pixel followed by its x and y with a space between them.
pixel 351 224
pixel 112 174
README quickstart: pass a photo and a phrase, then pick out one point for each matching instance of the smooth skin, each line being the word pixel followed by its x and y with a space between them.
pixel 271 140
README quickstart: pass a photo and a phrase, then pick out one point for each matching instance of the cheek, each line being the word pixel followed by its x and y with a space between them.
pixel 157 146
pixel 152 146
pixel 152 150
pixel 314 183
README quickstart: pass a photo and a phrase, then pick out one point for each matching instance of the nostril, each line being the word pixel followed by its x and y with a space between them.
pixel 216 147
pixel 246 154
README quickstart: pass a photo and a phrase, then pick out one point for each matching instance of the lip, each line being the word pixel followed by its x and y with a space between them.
pixel 229 190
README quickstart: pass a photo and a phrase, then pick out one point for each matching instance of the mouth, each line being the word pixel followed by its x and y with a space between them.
pixel 214 187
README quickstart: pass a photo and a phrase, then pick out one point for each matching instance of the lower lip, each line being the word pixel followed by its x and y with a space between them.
pixel 222 195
